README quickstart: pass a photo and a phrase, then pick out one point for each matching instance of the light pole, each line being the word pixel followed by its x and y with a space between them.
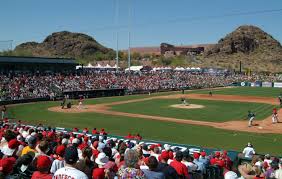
pixel 116 23
pixel 129 28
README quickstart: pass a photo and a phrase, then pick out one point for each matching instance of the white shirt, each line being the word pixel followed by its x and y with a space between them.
pixel 69 172
pixel 278 173
pixel 249 152
pixel 56 165
pixel 190 165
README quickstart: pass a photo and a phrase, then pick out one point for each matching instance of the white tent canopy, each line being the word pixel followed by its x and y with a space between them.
pixel 90 65
pixel 98 66
pixel 78 67
pixel 134 68
pixel 179 69
pixel 108 66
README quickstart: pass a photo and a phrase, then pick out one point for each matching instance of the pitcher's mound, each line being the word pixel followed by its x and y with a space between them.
pixel 73 109
pixel 190 106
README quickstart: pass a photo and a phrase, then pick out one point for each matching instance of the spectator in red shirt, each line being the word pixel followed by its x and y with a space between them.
pixel 43 167
pixel 180 168
pixel 94 131
pixel 217 160
pixel 101 160
pixel 95 150
pixel 138 137
pixel 103 132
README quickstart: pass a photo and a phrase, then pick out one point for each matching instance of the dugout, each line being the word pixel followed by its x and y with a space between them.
pixel 36 64
pixel 95 93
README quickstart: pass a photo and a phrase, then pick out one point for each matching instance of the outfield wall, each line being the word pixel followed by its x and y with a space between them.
pixel 265 84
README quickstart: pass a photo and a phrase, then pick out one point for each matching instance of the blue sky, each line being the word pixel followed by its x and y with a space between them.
pixel 153 21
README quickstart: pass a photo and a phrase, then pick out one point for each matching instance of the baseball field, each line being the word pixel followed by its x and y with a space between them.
pixel 218 121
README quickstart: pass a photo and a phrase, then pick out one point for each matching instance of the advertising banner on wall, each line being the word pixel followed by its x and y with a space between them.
pixel 277 85
pixel 258 84
pixel 266 84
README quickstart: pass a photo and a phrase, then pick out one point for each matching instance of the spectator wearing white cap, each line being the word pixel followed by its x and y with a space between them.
pixel 101 160
pixel 230 175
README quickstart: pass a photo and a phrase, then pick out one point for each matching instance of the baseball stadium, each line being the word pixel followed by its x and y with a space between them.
pixel 126 108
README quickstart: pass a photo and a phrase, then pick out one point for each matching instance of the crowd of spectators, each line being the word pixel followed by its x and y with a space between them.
pixel 23 86
pixel 44 153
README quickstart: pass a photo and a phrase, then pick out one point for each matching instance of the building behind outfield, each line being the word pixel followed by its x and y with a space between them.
pixel 36 64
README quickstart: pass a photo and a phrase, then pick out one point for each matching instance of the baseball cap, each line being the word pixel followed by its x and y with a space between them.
pixel 166 147
pixel 71 155
pixel 60 150
pixel 65 141
pixel 230 175
pixel 43 161
pixel 196 155
pixel 32 140
pixel 102 159
pixel 10 148
pixel 7 165
pixel 75 141
pixel 164 155
pixel 203 154
pixel 217 154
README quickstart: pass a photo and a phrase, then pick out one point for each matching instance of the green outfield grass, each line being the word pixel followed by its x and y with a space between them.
pixel 217 111
pixel 155 130
pixel 244 91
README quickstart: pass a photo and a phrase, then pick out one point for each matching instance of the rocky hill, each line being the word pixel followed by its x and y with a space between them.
pixel 256 49
pixel 64 44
